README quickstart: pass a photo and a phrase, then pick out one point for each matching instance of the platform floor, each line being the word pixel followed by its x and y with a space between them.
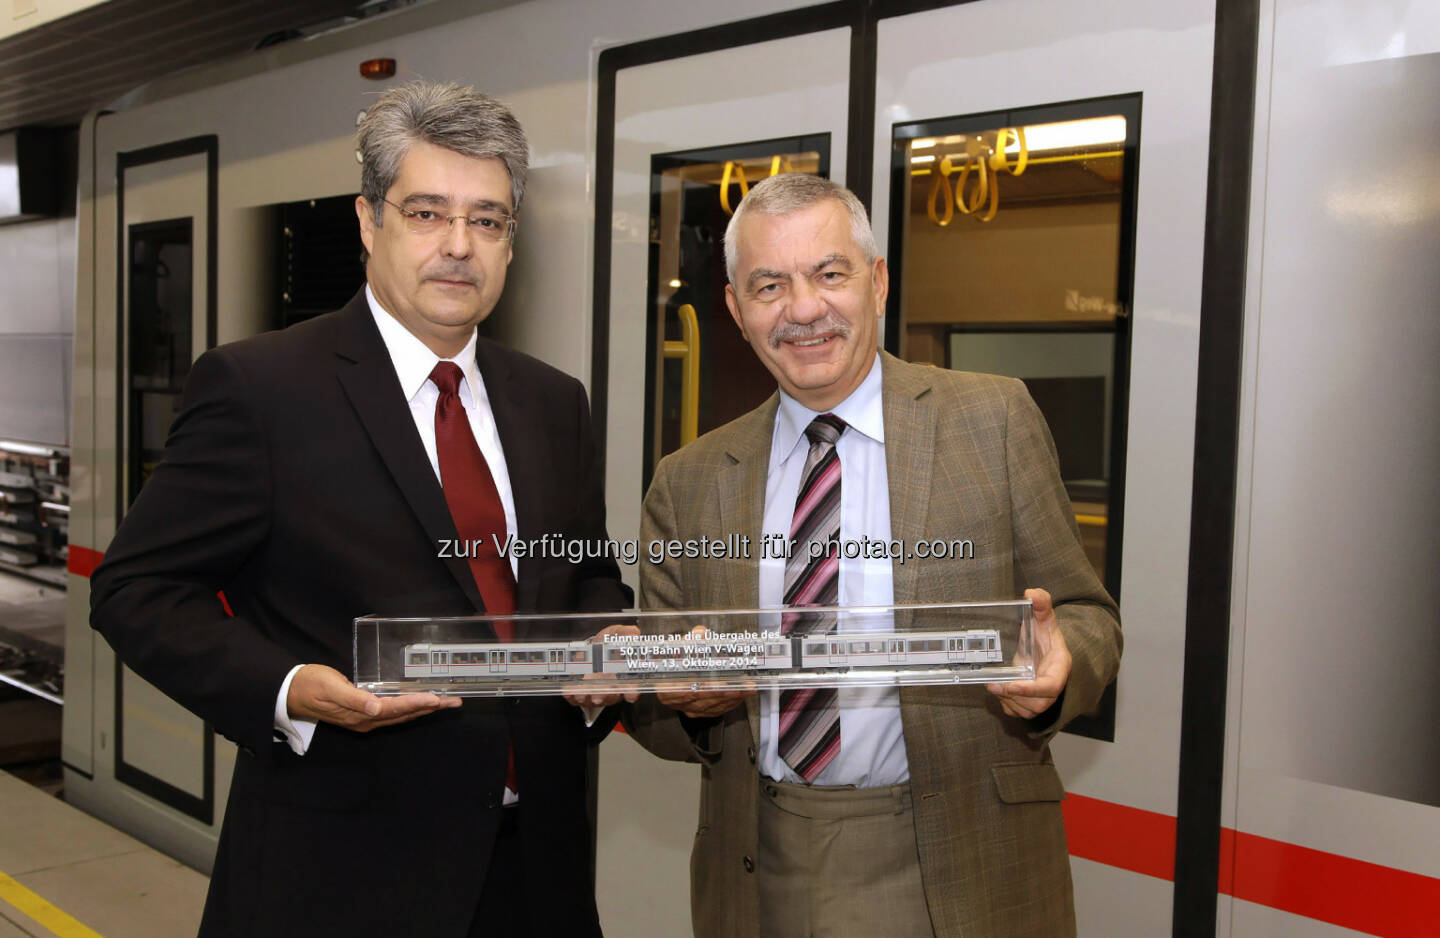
pixel 63 874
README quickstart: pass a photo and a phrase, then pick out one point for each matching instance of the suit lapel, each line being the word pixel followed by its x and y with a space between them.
pixel 368 378
pixel 910 425
pixel 525 459
pixel 741 488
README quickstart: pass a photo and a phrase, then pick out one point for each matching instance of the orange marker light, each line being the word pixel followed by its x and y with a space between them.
pixel 378 69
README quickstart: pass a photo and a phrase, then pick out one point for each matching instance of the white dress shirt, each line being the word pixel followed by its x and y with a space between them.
pixel 413 363
pixel 872 743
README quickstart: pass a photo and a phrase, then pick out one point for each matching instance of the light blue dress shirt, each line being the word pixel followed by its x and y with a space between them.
pixel 872 743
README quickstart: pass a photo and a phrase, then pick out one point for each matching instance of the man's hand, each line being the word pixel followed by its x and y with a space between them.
pixel 702 705
pixel 1029 699
pixel 321 693
pixel 579 698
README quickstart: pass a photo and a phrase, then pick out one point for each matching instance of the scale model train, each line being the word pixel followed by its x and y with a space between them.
pixel 638 655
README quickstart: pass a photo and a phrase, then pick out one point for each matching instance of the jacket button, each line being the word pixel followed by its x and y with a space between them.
pixel 749 865
pixel 751 753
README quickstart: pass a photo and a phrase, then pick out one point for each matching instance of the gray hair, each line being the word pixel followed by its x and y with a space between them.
pixel 789 193
pixel 447 115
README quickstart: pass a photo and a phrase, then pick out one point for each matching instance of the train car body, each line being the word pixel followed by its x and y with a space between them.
pixel 1253 311
pixel 563 661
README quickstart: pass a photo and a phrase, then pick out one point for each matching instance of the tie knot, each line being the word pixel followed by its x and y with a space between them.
pixel 825 428
pixel 446 376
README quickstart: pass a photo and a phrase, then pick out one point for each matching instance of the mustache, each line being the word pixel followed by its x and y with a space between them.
pixel 832 324
pixel 459 272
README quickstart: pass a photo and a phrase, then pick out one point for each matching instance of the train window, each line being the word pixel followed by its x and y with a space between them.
pixel 700 373
pixel 419 657
pixel 319 266
pixel 815 648
pixel 1012 244
pixel 925 644
pixel 439 657
pixel 159 343
pixel 577 654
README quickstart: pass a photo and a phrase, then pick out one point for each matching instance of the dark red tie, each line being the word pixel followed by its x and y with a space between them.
pixel 475 507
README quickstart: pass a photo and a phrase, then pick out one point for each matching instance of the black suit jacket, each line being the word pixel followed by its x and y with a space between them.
pixel 294 480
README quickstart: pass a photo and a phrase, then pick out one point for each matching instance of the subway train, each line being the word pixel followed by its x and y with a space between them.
pixel 1201 233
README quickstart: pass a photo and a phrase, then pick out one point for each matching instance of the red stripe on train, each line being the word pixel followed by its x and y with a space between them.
pixel 82 561
pixel 1340 890
pixel 1368 897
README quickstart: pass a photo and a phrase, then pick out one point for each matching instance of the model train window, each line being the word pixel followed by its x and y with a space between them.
pixel 160 344
pixel 700 372
pixel 1012 244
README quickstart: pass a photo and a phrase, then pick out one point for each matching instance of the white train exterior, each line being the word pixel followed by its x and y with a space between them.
pixel 459 661
pixel 1307 421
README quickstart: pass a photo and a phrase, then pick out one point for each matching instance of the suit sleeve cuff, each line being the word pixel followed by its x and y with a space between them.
pixel 296 733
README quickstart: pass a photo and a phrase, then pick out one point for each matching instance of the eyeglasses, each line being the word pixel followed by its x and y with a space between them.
pixel 489 225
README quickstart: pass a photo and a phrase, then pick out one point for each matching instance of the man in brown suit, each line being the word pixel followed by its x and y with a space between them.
pixel 936 810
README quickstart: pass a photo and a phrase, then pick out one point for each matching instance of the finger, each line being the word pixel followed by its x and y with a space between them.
pixel 1027 707
pixel 365 726
pixel 1041 602
pixel 405 705
pixel 1045 685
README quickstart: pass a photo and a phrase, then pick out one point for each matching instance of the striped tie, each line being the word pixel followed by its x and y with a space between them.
pixel 809 718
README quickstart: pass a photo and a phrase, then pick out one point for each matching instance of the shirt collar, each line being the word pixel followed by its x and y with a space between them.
pixel 412 359
pixel 862 411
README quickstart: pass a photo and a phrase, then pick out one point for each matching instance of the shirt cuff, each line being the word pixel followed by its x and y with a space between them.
pixel 297 733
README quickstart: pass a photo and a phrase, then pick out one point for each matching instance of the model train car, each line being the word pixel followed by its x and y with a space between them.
pixel 649 655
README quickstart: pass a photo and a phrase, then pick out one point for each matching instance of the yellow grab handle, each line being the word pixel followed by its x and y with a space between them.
pixel 688 351
pixel 940 182
pixel 738 170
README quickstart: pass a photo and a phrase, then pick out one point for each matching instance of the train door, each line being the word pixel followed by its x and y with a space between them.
pixel 147 754
pixel 1040 179
pixel 690 134
pixel 1034 228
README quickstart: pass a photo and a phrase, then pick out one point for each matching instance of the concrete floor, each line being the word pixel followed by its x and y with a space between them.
pixel 95 876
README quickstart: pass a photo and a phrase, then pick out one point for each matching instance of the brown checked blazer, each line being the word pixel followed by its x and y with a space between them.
pixel 967 456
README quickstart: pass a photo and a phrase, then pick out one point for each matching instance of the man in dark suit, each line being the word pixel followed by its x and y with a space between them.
pixel 317 474
pixel 905 812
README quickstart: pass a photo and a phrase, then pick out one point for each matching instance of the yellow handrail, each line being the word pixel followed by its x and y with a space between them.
pixel 688 351
pixel 1091 521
